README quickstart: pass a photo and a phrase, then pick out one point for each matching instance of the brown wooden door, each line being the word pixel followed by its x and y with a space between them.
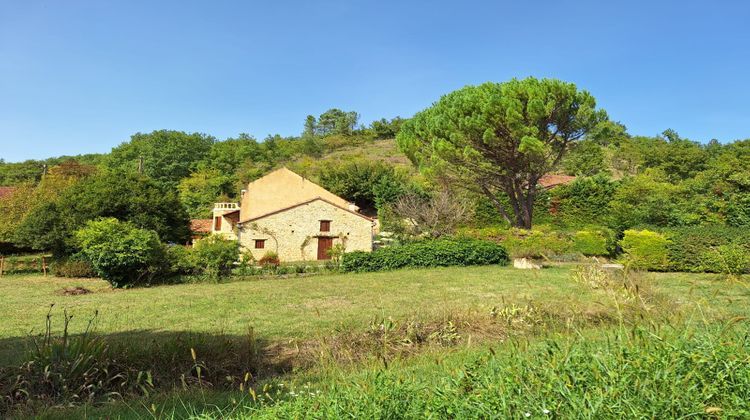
pixel 324 246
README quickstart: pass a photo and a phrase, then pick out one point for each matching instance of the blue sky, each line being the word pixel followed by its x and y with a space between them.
pixel 82 76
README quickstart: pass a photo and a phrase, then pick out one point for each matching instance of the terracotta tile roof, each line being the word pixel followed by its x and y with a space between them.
pixel 200 225
pixel 6 191
pixel 551 181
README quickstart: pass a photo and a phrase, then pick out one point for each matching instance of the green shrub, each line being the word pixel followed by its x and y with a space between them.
pixel 538 243
pixel 592 242
pixel 121 253
pixel 180 259
pixel 731 259
pixel 583 202
pixel 269 259
pixel 74 267
pixel 696 249
pixel 215 256
pixel 427 253
pixel 645 249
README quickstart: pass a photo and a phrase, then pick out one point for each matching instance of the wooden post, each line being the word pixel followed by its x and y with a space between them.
pixel 2 264
pixel 44 266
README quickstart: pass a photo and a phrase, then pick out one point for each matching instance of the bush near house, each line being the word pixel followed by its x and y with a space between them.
pixel 645 250
pixel 269 259
pixel 121 253
pixel 215 256
pixel 427 253
pixel 707 248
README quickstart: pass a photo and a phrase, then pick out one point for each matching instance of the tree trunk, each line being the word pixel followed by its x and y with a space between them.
pixel 521 204
pixel 498 205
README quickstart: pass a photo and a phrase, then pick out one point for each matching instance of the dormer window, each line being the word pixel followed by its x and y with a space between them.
pixel 325 225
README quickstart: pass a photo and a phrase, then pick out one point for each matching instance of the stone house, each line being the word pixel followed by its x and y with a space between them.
pixel 283 212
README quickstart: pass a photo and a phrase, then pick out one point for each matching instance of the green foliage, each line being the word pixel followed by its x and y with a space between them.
pixel 593 242
pixel 31 171
pixel 730 259
pixel 24 200
pixel 42 229
pixel 649 200
pixel 227 156
pixel 166 156
pixel 427 253
pixel 645 250
pixel 131 198
pixel 738 210
pixel 679 158
pixel 121 253
pixel 538 243
pixel 74 267
pixel 585 159
pixel 364 182
pixel 608 133
pixel 180 259
pixel 335 121
pixel 202 189
pixel 500 138
pixel 384 129
pixel 583 202
pixel 714 249
pixel 215 256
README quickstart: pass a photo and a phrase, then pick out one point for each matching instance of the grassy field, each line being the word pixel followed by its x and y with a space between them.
pixel 284 308
pixel 402 327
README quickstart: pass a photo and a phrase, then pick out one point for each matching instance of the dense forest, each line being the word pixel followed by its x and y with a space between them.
pixel 160 180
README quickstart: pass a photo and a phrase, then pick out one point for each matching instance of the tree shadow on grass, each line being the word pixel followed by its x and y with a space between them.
pixel 170 354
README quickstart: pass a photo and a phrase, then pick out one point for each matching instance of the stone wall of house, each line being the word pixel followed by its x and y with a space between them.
pixel 229 220
pixel 293 233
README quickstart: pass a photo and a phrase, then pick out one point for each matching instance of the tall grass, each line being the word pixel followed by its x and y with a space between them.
pixel 65 369
pixel 633 354
pixel 642 372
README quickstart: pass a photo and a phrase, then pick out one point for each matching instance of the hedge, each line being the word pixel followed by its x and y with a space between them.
pixel 645 249
pixel 707 248
pixel 426 253
pixel 593 242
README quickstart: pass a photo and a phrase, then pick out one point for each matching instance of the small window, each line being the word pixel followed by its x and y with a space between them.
pixel 260 243
pixel 217 223
pixel 325 225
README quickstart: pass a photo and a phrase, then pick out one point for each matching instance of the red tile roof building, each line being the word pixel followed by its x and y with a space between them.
pixel 550 181
pixel 200 226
